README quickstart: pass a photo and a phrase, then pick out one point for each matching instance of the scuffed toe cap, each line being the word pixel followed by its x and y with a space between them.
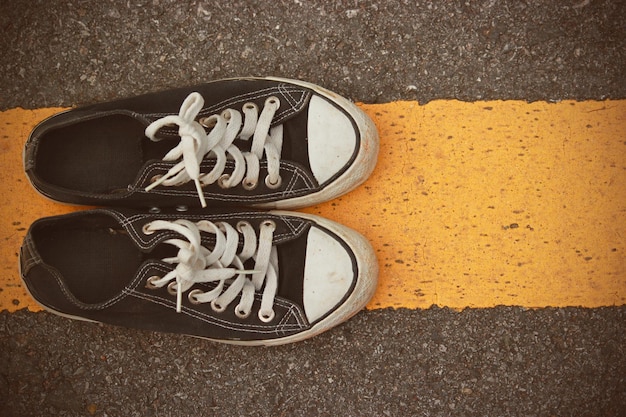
pixel 332 139
pixel 329 274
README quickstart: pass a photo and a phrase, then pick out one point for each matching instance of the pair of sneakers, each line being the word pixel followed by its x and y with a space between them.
pixel 192 236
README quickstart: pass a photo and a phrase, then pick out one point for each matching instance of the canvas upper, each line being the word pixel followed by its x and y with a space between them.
pixel 313 147
pixel 244 277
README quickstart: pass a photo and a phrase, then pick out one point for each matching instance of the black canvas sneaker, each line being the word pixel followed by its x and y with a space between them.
pixel 244 277
pixel 263 142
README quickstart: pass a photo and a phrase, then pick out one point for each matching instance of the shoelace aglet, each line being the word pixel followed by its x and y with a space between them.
pixel 200 193
pixel 179 297
pixel 247 271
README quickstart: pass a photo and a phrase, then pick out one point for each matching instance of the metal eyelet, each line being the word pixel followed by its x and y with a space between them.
pixel 226 115
pixel 192 296
pixel 249 185
pixel 241 224
pixel 155 178
pixel 272 100
pixel 171 288
pixel 208 122
pixel 272 185
pixel 266 316
pixel 222 180
pixel 250 106
pixel 269 223
pixel 154 210
pixel 146 229
pixel 182 208
pixel 216 307
pixel 150 282
pixel 240 313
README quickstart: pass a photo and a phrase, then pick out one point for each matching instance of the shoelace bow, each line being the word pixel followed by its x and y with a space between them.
pixel 195 144
pixel 196 264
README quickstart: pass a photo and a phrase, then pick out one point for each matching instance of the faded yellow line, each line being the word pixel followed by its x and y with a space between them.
pixel 22 205
pixel 471 204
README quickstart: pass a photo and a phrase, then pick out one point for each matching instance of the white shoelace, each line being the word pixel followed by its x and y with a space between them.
pixel 198 264
pixel 195 144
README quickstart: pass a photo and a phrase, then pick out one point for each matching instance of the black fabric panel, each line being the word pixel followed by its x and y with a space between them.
pixel 291 261
pixel 96 155
pixel 95 260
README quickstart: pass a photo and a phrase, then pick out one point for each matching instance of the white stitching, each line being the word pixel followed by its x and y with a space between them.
pixel 127 223
pixel 283 89
pixel 211 319
pixel 296 171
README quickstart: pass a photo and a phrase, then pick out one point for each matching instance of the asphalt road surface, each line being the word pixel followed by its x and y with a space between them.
pixel 500 361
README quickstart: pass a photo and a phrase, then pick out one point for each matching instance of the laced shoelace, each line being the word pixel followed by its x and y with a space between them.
pixel 196 264
pixel 195 144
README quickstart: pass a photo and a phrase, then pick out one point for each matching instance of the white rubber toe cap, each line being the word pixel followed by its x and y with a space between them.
pixel 331 139
pixel 328 274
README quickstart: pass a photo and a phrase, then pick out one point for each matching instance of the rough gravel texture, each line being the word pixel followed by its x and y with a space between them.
pixel 504 361
pixel 74 52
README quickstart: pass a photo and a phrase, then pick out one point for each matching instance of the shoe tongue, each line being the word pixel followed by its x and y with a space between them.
pixel 291 114
pixel 291 261
pixel 295 147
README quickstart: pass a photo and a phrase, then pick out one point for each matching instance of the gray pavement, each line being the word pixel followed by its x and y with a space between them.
pixel 504 361
pixel 497 362
pixel 75 52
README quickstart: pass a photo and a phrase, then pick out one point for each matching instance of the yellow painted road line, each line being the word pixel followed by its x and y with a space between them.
pixel 21 206
pixel 471 204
